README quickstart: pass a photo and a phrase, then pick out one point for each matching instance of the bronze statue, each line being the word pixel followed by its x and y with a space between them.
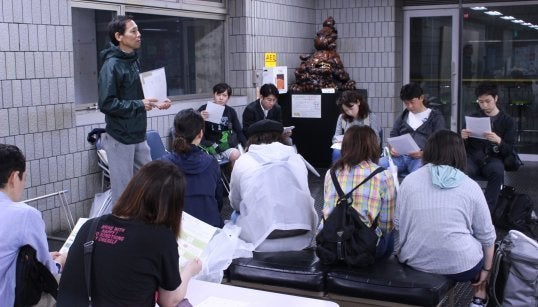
pixel 323 68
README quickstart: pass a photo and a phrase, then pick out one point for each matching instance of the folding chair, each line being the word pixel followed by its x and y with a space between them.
pixel 223 178
pixel 102 162
pixel 63 204
pixel 155 144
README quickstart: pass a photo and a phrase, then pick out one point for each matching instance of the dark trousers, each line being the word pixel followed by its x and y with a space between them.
pixel 493 172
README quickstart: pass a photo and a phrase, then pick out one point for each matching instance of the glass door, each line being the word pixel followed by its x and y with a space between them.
pixel 431 58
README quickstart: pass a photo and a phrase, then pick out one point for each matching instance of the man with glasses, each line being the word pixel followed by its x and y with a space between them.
pixel 418 121
pixel 266 107
pixel 485 156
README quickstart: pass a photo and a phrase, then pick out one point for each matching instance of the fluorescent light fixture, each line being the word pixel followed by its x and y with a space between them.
pixel 508 17
pixel 527 24
pixel 518 21
pixel 493 13
pixel 479 8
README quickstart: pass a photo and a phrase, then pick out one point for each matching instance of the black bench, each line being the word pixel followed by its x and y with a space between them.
pixel 300 273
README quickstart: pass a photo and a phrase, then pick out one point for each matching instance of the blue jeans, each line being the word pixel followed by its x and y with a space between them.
pixel 405 164
pixel 385 245
pixel 336 154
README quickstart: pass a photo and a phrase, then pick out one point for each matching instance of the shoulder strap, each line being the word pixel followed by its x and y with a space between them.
pixel 348 194
pixel 88 252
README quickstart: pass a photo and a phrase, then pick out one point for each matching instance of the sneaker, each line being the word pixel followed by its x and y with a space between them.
pixel 478 302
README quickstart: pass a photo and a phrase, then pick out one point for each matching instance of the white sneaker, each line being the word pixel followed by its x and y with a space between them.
pixel 478 302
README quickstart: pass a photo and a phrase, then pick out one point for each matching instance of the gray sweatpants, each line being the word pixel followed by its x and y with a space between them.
pixel 123 161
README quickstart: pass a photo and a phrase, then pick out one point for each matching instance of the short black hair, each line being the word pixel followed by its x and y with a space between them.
pixel 268 89
pixel 445 147
pixel 117 24
pixel 221 88
pixel 410 91
pixel 486 88
pixel 11 160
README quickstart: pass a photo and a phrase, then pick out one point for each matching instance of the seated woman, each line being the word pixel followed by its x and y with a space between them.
pixel 269 192
pixel 443 219
pixel 203 190
pixel 135 250
pixel 354 111
pixel 376 197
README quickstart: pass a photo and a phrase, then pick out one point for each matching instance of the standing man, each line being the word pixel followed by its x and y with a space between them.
pixel 417 120
pixel 122 101
pixel 20 224
pixel 485 156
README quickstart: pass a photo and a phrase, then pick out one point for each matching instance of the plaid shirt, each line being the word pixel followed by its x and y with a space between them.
pixel 376 196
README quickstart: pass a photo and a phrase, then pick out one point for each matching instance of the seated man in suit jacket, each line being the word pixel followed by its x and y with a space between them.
pixel 266 107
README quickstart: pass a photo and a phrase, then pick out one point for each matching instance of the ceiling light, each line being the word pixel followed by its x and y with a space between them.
pixel 518 21
pixel 479 8
pixel 493 13
pixel 508 17
pixel 527 24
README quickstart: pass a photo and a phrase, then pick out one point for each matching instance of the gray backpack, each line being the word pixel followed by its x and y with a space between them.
pixel 514 279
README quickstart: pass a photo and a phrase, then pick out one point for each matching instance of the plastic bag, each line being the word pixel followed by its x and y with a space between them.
pixel 220 251
pixel 392 167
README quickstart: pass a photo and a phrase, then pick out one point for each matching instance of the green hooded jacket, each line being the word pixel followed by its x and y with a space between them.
pixel 120 96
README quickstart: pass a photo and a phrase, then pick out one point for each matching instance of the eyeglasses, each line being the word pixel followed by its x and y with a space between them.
pixel 410 101
pixel 486 101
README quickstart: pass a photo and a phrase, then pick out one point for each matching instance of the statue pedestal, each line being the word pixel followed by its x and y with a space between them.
pixel 312 136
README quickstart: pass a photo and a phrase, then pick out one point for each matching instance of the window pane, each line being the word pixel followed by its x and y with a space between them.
pixel 191 50
pixel 506 52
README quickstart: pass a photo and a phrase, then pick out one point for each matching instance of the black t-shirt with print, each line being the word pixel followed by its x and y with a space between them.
pixel 131 260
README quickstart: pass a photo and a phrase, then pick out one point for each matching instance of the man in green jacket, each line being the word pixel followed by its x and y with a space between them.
pixel 122 101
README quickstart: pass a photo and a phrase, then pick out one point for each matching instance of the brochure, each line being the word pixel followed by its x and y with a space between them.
pixel 403 144
pixel 193 238
pixel 69 241
pixel 478 126
pixel 154 84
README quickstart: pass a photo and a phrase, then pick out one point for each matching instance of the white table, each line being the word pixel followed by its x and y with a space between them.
pixel 224 295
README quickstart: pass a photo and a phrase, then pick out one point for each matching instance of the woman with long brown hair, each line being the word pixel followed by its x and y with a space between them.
pixel 135 250
pixel 376 197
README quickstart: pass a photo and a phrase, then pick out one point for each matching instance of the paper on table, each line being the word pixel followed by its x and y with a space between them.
pixel 69 241
pixel 213 301
pixel 403 144
pixel 478 126
pixel 193 238
pixel 215 112
pixel 154 84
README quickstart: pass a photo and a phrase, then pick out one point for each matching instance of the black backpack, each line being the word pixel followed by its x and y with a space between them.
pixel 32 279
pixel 345 239
pixel 515 211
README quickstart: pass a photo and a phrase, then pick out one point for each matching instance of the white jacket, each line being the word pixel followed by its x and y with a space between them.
pixel 269 187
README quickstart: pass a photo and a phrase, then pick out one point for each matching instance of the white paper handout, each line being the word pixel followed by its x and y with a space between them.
pixel 337 145
pixel 154 84
pixel 288 129
pixel 213 301
pixel 403 144
pixel 72 235
pixel 215 112
pixel 478 126
pixel 193 238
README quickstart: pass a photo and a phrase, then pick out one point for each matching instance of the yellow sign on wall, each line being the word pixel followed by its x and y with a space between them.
pixel 270 59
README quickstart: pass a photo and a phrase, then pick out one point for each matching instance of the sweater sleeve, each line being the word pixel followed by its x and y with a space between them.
pixel 34 234
pixel 339 129
pixel 482 226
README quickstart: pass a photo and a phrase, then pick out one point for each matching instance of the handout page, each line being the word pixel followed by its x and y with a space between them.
pixel 478 126
pixel 215 112
pixel 337 145
pixel 193 238
pixel 69 241
pixel 288 129
pixel 154 84
pixel 403 144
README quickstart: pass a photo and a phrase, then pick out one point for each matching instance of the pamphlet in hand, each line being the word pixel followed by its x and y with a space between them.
pixel 65 248
pixel 154 84
pixel 478 126
pixel 215 112
pixel 403 144
pixel 288 129
pixel 193 238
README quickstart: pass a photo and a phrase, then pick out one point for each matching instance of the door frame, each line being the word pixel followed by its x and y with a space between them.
pixel 454 66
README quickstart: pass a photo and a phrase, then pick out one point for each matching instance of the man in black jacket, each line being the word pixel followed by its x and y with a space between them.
pixel 485 155
pixel 122 101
